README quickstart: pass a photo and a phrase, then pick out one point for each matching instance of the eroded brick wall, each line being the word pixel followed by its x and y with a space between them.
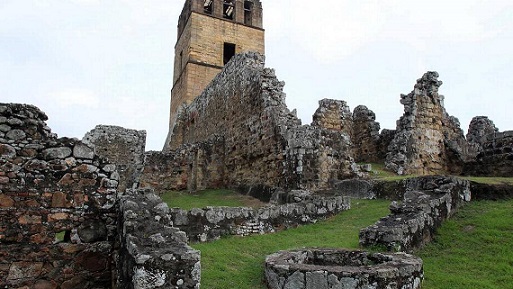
pixel 50 185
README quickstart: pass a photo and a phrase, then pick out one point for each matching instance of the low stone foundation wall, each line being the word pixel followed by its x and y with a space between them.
pixel 203 225
pixel 153 254
pixel 491 192
pixel 341 269
pixel 428 201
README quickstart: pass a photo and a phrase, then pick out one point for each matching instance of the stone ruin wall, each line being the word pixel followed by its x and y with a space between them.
pixel 124 147
pixel 495 158
pixel 428 141
pixel 50 185
pixel 244 108
pixel 426 203
pixel 191 167
pixel 341 269
pixel 366 136
pixel 261 141
pixel 492 150
pixel 212 223
pixel 153 253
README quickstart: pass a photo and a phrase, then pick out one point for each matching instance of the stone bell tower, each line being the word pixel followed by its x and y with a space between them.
pixel 210 32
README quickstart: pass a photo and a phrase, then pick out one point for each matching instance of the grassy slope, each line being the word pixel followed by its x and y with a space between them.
pixel 235 262
pixel 473 250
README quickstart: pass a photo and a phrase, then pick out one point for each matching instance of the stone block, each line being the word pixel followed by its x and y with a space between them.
pixel 24 270
pixel 6 201
pixel 56 153
pixel 82 151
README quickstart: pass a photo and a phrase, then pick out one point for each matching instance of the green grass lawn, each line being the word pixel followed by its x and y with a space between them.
pixel 236 262
pixel 473 250
pixel 490 180
pixel 214 198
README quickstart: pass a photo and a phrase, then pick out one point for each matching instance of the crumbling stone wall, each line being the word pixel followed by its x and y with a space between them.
pixel 340 269
pixel 385 139
pixel 318 156
pixel 481 131
pixel 211 223
pixel 366 135
pixel 428 201
pixel 50 185
pixel 153 254
pixel 334 115
pixel 245 106
pixel 123 147
pixel 428 141
pixel 495 157
pixel 190 167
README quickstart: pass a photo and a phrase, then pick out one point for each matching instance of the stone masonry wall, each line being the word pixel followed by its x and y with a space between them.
pixel 153 254
pixel 123 147
pixel 319 156
pixel 334 115
pixel 366 135
pixel 191 167
pixel 211 223
pixel 495 157
pixel 428 201
pixel 428 141
pixel 245 106
pixel 481 130
pixel 49 186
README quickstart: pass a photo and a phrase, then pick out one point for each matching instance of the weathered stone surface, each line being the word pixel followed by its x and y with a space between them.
pixel 7 151
pixel 359 189
pixel 92 231
pixel 212 223
pixel 25 270
pixel 493 150
pixel 6 201
pixel 122 147
pixel 16 135
pixel 255 140
pixel 366 135
pixel 334 115
pixel 428 201
pixel 342 269
pixel 153 254
pixel 481 130
pixel 40 195
pixel 43 284
pixel 428 141
pixel 83 151
pixel 56 153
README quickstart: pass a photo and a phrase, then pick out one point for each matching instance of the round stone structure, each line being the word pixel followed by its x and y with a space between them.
pixel 342 269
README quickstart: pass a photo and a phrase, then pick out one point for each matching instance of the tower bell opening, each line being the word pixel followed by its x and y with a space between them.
pixel 228 9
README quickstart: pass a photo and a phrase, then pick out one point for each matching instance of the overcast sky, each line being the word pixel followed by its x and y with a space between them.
pixel 89 62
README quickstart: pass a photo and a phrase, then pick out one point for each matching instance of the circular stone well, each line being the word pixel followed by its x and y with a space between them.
pixel 342 269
